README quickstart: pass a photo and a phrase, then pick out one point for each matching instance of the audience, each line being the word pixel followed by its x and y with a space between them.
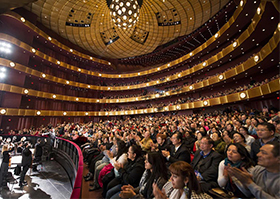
pixel 183 184
pixel 156 172
pixel 248 138
pixel 237 156
pixel 177 151
pixel 264 180
pixel 219 145
pixel 174 137
pixel 240 139
pixel 205 164
pixel 129 174
pixel 265 132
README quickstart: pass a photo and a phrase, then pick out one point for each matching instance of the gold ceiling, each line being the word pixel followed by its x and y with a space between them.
pixel 88 24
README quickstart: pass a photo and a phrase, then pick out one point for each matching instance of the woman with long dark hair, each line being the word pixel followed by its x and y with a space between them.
pixel 237 156
pixel 130 173
pixel 156 172
pixel 120 158
pixel 183 184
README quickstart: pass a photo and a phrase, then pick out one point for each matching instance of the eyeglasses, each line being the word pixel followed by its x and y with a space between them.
pixel 262 130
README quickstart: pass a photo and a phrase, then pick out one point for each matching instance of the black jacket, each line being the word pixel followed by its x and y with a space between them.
pixel 208 168
pixel 255 149
pixel 132 172
pixel 182 154
pixel 38 150
pixel 26 157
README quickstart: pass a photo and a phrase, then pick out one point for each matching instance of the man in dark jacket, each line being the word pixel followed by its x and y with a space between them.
pixel 265 132
pixel 205 164
pixel 178 151
pixel 38 150
pixel 25 162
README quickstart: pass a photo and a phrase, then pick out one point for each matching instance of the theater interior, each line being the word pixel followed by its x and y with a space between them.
pixel 92 60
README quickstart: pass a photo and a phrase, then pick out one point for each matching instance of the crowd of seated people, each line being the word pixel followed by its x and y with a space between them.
pixel 169 89
pixel 189 99
pixel 126 157
pixel 164 78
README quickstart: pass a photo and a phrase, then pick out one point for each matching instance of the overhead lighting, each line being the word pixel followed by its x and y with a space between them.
pixel 259 10
pixel 86 113
pixel 216 35
pixel 49 38
pixel 204 64
pixel 67 82
pixel 88 86
pixel 54 96
pixel 221 77
pixel 26 91
pixel 99 74
pixel 205 103
pixel 44 75
pixel 38 113
pixel 2 73
pixel 234 44
pixel 79 70
pixel 124 14
pixel 12 64
pixel 22 19
pixel 256 58
pixel 241 3
pixel 77 99
pixel 58 62
pixel 242 95
pixel 191 87
pixel 64 113
pixel 3 111
pixel 191 54
pixel 33 50
pixel 71 50
pixel 5 47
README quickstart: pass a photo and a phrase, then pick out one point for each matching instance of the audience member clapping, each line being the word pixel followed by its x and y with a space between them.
pixel 237 156
pixel 183 184
pixel 155 173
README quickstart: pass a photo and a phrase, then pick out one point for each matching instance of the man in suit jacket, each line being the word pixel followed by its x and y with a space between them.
pixel 25 162
pixel 205 164
pixel 178 151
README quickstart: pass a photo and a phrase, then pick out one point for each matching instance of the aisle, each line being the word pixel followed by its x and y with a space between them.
pixel 50 183
pixel 86 194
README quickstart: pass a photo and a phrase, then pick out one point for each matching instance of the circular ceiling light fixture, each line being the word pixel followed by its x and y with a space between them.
pixel 124 14
pixel 3 111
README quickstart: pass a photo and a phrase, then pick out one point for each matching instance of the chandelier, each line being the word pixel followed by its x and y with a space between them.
pixel 124 13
